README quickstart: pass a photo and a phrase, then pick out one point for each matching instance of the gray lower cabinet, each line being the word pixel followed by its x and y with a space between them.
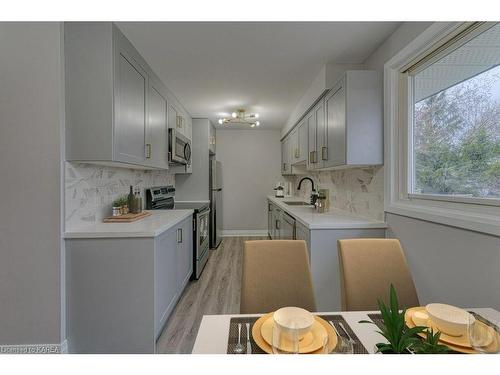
pixel 173 268
pixel 270 226
pixel 325 263
pixel 323 253
pixel 121 291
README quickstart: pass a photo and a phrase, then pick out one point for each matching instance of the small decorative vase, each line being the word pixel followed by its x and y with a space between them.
pixel 124 210
pixel 116 211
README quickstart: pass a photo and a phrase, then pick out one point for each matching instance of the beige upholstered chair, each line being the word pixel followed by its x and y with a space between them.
pixel 275 274
pixel 367 269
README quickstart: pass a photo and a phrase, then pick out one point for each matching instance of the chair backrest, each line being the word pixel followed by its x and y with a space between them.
pixel 275 274
pixel 367 269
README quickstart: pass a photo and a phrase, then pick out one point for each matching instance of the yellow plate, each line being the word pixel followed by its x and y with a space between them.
pixel 265 346
pixel 450 342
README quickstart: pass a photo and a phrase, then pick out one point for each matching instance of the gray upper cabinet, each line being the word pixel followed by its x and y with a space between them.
pixel 333 153
pixel 286 163
pixel 157 133
pixel 117 109
pixel 212 140
pixel 298 143
pixel 346 127
pixel 131 91
pixel 303 141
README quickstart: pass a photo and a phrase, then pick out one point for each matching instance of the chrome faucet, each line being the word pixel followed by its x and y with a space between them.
pixel 314 193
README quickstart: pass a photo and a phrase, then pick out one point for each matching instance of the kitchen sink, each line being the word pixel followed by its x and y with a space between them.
pixel 292 203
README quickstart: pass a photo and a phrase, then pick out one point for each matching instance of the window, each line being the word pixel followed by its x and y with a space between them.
pixel 442 127
pixel 454 127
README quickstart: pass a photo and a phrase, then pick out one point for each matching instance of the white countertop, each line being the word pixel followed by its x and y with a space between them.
pixel 150 226
pixel 333 219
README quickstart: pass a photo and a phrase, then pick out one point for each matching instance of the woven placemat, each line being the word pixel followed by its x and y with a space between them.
pixel 377 319
pixel 233 333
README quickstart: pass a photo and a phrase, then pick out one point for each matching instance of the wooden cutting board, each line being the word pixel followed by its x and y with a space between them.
pixel 127 218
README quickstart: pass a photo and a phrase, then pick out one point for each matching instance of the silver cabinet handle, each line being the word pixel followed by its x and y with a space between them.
pixel 312 157
pixel 324 151
pixel 148 150
pixel 277 225
pixel 179 235
pixel 284 166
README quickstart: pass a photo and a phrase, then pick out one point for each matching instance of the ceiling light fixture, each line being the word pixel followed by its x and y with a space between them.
pixel 241 117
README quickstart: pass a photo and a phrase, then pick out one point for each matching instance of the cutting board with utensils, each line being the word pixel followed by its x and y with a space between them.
pixel 127 218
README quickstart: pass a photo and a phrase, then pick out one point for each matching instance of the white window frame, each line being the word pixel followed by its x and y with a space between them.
pixel 477 214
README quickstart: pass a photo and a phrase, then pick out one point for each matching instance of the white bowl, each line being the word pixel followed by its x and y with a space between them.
pixel 290 319
pixel 451 320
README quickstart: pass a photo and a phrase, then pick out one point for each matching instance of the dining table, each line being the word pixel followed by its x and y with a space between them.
pixel 214 331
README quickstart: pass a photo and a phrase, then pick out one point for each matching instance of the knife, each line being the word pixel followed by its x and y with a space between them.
pixel 249 345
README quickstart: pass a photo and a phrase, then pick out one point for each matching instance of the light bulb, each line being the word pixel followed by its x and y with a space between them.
pixel 256 115
pixel 234 114
pixel 257 123
pixel 221 121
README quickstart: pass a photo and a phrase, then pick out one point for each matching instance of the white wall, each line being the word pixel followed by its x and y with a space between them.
pixel 30 169
pixel 448 264
pixel 250 168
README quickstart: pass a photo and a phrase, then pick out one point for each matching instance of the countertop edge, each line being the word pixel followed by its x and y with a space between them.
pixel 80 234
pixel 368 224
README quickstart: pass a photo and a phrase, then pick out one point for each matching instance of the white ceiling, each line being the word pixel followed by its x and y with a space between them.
pixel 214 68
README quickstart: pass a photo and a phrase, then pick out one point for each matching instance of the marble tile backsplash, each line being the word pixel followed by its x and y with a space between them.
pixel 91 189
pixel 357 190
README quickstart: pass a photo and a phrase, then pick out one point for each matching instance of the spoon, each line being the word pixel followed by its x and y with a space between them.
pixel 238 349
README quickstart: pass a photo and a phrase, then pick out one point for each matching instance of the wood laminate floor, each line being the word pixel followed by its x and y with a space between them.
pixel 216 292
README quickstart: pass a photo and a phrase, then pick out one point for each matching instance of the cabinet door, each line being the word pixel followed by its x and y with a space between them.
pixel 302 233
pixel 184 241
pixel 131 85
pixel 284 156
pixel 319 119
pixel 335 127
pixel 277 223
pixel 270 219
pixel 166 287
pixel 302 133
pixel 172 116
pixel 157 131
pixel 211 139
pixel 312 154
pixel 294 146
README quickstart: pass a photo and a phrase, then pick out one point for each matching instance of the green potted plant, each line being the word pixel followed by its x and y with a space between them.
pixel 120 205
pixel 400 338
pixel 431 345
pixel 117 207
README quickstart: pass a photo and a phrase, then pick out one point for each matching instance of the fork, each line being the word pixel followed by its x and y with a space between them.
pixel 239 348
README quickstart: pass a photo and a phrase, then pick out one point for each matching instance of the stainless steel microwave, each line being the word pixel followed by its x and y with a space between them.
pixel 179 148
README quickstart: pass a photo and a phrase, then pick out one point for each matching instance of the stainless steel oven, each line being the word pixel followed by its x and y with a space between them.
pixel 179 148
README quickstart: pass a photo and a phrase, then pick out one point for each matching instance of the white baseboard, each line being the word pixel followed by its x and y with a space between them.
pixel 35 348
pixel 244 233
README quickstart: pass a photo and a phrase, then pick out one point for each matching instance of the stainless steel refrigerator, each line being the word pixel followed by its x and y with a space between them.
pixel 215 203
